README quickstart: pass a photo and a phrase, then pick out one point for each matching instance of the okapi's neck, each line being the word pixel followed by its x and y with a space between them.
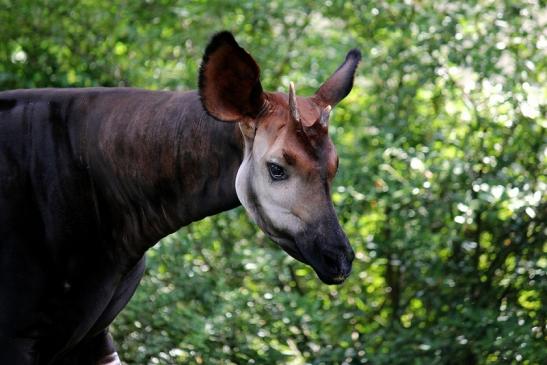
pixel 164 164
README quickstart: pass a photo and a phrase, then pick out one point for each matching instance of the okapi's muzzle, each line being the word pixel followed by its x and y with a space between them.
pixel 326 249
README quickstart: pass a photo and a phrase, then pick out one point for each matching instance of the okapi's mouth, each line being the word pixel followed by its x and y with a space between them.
pixel 330 272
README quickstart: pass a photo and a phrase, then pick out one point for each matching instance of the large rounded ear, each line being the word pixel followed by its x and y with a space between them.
pixel 338 86
pixel 229 83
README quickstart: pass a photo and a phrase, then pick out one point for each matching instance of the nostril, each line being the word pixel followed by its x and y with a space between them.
pixel 351 255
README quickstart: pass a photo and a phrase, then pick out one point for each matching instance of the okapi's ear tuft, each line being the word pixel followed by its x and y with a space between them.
pixel 229 81
pixel 338 86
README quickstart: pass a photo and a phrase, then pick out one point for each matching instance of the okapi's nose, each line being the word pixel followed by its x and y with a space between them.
pixel 330 255
pixel 338 261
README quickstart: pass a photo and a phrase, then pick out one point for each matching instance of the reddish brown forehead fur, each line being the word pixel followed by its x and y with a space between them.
pixel 321 156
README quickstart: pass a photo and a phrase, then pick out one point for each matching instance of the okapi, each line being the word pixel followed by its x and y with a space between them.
pixel 92 178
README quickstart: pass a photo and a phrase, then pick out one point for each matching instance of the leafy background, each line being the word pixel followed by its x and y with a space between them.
pixel 441 188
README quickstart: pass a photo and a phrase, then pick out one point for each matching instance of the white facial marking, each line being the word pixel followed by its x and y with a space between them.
pixel 111 359
pixel 270 202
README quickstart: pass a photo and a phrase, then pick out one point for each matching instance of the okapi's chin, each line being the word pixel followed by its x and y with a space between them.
pixel 326 275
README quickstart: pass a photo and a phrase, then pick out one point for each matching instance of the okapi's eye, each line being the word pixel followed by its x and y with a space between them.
pixel 277 172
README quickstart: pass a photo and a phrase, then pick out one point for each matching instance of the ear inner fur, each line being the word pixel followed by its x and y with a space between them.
pixel 229 81
pixel 338 86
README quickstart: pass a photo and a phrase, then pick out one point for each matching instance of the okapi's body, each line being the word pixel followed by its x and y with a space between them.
pixel 89 179
pixel 92 178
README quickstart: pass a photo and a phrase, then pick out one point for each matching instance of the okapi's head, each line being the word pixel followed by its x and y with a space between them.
pixel 289 162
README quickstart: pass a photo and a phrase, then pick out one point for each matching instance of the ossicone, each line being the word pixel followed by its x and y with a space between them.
pixel 312 134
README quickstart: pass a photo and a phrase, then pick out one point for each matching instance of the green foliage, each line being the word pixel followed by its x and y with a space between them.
pixel 441 187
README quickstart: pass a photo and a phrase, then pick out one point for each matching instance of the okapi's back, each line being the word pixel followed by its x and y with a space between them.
pixel 39 173
pixel 54 227
pixel 47 139
pixel 39 140
pixel 52 123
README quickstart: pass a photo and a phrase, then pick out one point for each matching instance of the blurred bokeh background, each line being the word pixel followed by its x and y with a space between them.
pixel 441 187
